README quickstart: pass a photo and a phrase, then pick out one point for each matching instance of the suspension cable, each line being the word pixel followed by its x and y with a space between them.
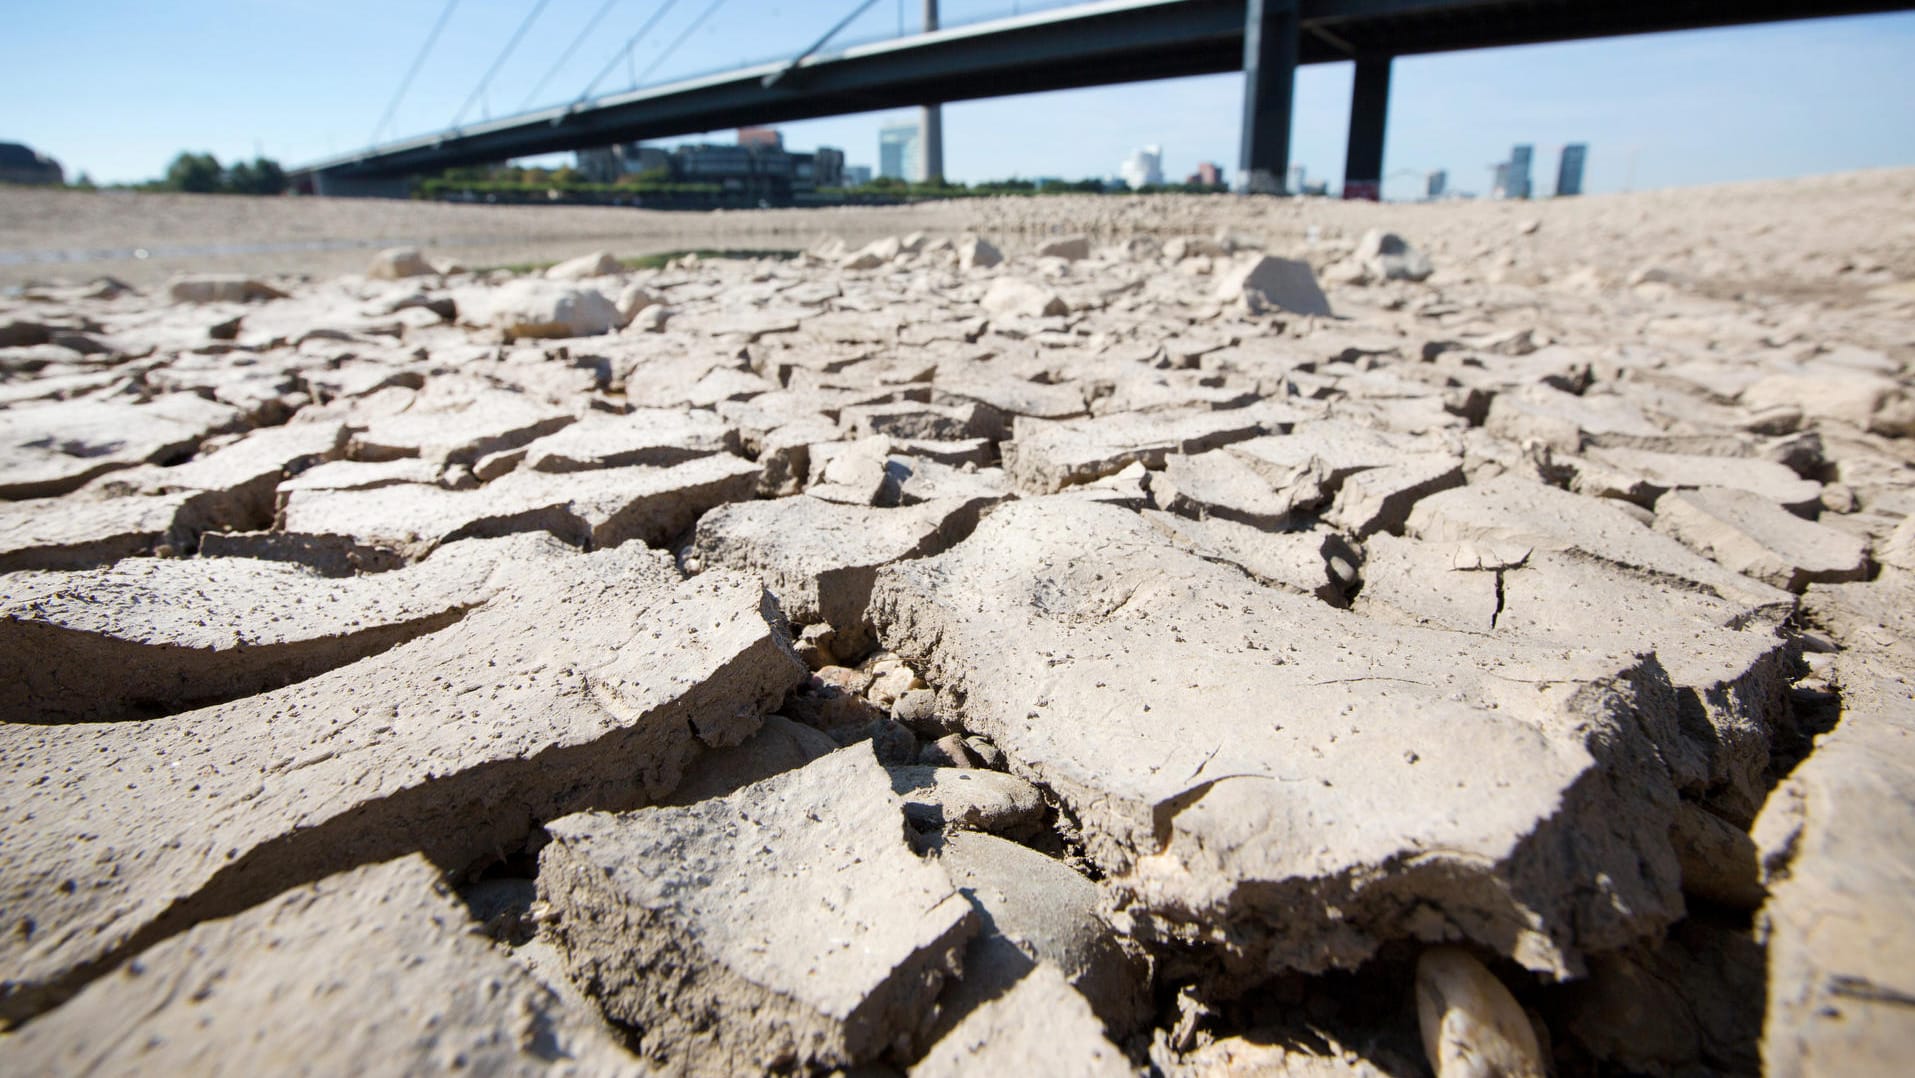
pixel 417 62
pixel 590 25
pixel 630 44
pixel 505 53
pixel 778 76
pixel 680 40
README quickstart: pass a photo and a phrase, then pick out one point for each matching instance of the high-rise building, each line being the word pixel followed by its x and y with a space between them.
pixel 767 137
pixel 643 159
pixel 857 175
pixel 599 164
pixel 901 151
pixel 1569 174
pixel 1499 182
pixel 605 164
pixel 753 168
pixel 1207 175
pixel 1144 168
pixel 1298 180
pixel 1437 183
pixel 827 167
pixel 1518 180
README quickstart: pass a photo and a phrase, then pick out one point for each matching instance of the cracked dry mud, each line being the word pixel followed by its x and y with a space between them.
pixel 1105 636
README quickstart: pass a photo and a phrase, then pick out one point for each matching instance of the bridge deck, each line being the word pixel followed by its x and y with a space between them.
pixel 1112 41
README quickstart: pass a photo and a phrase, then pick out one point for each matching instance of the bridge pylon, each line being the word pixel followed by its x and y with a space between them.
pixel 1269 94
pixel 1369 112
pixel 931 122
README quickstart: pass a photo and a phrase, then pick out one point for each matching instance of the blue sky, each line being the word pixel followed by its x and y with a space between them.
pixel 116 87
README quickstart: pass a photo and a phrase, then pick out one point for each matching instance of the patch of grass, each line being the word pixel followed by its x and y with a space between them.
pixel 516 268
pixel 653 261
pixel 658 261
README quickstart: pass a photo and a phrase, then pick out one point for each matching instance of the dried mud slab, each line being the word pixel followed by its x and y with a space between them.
pixel 1040 1026
pixel 787 925
pixel 649 437
pixel 1318 561
pixel 1286 786
pixel 154 635
pixel 1036 909
pixel 50 449
pixel 1833 839
pixel 1049 455
pixel 1510 509
pixel 1876 618
pixel 600 508
pixel 1731 667
pixel 375 970
pixel 1758 538
pixel 819 557
pixel 1380 499
pixel 589 682
pixel 459 423
pixel 240 478
pixel 1650 475
pixel 1220 486
pixel 80 533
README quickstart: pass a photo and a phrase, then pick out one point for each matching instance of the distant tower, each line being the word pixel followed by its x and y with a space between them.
pixel 900 151
pixel 1569 174
pixel 1297 178
pixel 1144 168
pixel 1438 183
pixel 1519 158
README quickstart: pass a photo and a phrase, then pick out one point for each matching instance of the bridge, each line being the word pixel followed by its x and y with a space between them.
pixel 1098 43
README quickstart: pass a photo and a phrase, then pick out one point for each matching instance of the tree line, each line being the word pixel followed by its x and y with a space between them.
pixel 520 183
pixel 202 174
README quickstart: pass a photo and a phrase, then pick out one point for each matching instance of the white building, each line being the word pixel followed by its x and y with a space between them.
pixel 901 151
pixel 1144 168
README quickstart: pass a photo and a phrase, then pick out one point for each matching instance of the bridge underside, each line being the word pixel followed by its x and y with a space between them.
pixel 1098 44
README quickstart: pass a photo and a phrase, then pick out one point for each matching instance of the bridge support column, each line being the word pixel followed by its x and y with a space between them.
pixel 931 123
pixel 1369 112
pixel 1269 89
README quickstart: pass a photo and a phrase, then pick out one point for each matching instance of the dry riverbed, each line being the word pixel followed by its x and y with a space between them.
pixel 1180 635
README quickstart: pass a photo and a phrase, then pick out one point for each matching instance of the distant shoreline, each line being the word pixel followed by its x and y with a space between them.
pixel 48 234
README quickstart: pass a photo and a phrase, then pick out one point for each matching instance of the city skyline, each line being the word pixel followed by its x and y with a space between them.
pixel 1664 110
